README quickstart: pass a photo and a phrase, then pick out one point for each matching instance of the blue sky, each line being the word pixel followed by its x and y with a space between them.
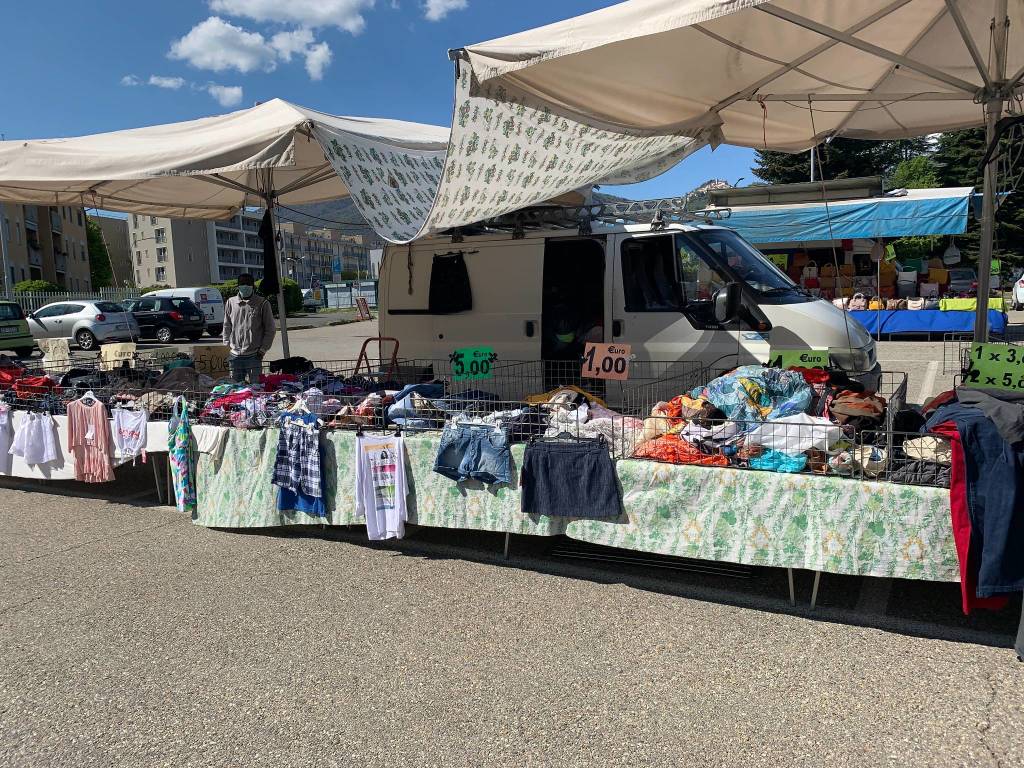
pixel 83 67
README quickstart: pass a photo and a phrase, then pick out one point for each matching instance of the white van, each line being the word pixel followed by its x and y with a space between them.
pixel 542 295
pixel 207 299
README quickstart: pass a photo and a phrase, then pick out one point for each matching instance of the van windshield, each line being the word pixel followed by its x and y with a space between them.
pixel 742 261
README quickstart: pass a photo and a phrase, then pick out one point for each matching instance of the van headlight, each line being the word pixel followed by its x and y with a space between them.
pixel 862 359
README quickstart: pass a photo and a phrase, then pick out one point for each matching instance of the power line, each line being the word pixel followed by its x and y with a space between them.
pixel 321 218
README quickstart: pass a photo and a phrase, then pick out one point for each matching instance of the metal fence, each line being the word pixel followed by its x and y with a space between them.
pixel 344 295
pixel 30 302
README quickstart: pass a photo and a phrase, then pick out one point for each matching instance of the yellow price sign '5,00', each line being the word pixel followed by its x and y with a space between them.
pixel 996 366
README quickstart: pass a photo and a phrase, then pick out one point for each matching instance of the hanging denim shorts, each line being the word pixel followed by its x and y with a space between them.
pixel 474 453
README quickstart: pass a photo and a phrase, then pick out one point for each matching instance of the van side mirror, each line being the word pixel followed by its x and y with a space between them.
pixel 727 302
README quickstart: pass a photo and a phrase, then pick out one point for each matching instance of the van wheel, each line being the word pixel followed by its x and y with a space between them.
pixel 215 331
pixel 25 351
pixel 164 335
pixel 85 340
pixel 195 336
pixel 1017 306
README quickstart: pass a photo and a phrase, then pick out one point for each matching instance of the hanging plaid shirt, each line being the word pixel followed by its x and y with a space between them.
pixel 297 466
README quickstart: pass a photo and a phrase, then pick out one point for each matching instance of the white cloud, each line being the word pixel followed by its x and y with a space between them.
pixel 289 43
pixel 218 45
pixel 318 58
pixel 226 95
pixel 435 10
pixel 130 81
pixel 171 83
pixel 344 14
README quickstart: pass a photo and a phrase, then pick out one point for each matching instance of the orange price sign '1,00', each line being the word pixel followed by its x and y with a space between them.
pixel 606 361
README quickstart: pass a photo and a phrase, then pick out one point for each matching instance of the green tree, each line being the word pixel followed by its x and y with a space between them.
pixel 100 272
pixel 915 173
pixel 37 286
pixel 956 161
pixel 840 159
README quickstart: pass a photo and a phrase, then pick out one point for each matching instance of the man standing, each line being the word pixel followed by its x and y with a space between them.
pixel 248 331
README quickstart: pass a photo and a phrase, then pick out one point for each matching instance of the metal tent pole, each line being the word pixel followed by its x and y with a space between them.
pixel 993 111
pixel 282 312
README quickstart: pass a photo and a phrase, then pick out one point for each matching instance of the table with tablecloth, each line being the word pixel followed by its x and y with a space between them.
pixel 892 321
pixel 820 523
pixel 64 467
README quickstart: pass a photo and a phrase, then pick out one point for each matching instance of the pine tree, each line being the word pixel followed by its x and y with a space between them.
pixel 840 159
pixel 956 161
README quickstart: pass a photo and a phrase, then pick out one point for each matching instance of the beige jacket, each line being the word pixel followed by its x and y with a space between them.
pixel 248 325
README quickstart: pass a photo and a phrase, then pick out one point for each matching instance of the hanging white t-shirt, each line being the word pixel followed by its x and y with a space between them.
pixel 381 486
pixel 130 433
pixel 35 440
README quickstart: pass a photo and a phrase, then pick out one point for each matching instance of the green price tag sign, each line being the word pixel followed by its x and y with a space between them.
pixel 890 252
pixel 798 358
pixel 997 266
pixel 781 260
pixel 996 366
pixel 473 363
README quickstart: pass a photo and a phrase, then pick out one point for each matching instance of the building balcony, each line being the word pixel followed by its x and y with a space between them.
pixel 56 225
pixel 60 262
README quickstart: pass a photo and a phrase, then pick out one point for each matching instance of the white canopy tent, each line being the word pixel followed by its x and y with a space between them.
pixel 203 169
pixel 775 74
pixel 206 169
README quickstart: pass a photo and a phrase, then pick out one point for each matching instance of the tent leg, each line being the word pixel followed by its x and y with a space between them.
pixel 814 589
pixel 993 110
pixel 156 479
pixel 792 589
pixel 507 537
pixel 282 313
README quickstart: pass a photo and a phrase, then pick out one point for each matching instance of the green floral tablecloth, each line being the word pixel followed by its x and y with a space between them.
pixel 756 518
pixel 765 518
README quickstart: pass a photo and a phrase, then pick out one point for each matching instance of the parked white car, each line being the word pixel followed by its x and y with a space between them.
pixel 1017 293
pixel 87 323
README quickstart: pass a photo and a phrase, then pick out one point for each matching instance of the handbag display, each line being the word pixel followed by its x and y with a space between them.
pixel 858 302
pixel 811 270
pixel 931 303
pixel 843 303
pixel 876 303
pixel 915 303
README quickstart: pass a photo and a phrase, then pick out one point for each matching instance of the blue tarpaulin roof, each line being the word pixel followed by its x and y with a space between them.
pixel 919 212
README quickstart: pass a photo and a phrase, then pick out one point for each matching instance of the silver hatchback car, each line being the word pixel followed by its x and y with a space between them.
pixel 87 323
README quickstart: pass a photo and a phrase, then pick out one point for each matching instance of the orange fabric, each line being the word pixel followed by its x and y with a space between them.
pixel 675 450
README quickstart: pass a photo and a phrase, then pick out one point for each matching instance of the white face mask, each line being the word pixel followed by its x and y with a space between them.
pixel 245 291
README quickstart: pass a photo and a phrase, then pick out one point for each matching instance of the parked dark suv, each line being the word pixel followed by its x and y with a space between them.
pixel 167 319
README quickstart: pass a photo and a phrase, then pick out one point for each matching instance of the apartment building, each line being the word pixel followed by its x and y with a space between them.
pixel 46 243
pixel 119 249
pixel 185 252
pixel 172 252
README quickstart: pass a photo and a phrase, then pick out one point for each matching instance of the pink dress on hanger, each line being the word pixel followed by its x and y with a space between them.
pixel 90 441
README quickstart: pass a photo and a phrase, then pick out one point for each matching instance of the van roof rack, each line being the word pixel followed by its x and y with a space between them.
pixel 656 212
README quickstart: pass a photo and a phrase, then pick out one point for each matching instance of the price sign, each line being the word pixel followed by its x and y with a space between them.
pixel 781 260
pixel 114 355
pixel 996 366
pixel 473 363
pixel 606 361
pixel 211 360
pixel 56 354
pixel 798 358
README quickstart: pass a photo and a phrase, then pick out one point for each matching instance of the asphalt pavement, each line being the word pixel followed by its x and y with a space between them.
pixel 131 638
